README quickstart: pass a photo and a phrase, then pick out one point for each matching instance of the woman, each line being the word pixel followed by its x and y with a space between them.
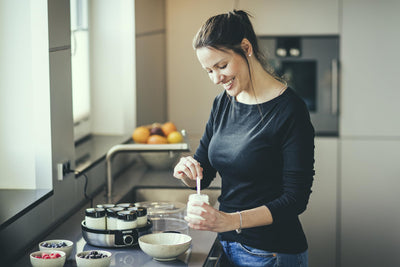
pixel 260 140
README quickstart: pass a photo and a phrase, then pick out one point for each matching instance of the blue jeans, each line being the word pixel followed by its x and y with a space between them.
pixel 241 255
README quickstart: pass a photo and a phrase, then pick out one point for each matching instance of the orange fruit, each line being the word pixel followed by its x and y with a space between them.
pixel 168 128
pixel 141 134
pixel 175 137
pixel 157 139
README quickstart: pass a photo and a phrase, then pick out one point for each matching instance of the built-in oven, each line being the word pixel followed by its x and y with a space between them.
pixel 310 64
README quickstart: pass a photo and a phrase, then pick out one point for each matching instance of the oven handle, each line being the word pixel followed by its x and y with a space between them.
pixel 334 87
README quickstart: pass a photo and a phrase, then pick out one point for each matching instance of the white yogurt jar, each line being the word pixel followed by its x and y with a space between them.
pixel 95 218
pixel 141 216
pixel 125 205
pixel 106 206
pixel 112 217
pixel 126 220
pixel 196 199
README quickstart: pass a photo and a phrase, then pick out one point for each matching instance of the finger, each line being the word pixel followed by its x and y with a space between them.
pixel 191 220
pixel 199 225
pixel 179 174
pixel 180 170
pixel 197 166
pixel 195 223
pixel 188 172
pixel 194 167
pixel 196 212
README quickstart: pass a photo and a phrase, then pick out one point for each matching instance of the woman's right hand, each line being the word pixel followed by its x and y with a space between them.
pixel 188 167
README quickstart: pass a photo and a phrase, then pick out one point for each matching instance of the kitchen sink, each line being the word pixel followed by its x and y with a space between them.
pixel 171 194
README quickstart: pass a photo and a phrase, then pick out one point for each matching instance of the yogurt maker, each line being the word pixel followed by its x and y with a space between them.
pixel 114 238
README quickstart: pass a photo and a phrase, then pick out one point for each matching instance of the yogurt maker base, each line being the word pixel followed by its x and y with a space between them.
pixel 114 238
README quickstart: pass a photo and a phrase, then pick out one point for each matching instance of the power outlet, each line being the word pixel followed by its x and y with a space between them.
pixel 63 169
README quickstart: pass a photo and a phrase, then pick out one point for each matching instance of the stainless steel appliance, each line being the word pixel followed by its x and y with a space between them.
pixel 311 66
pixel 114 238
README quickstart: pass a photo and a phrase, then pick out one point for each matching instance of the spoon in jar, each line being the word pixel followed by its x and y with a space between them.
pixel 198 185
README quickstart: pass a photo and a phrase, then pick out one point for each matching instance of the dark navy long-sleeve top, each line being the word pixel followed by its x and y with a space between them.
pixel 264 154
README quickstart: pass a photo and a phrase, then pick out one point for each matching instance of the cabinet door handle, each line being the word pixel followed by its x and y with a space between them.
pixel 334 87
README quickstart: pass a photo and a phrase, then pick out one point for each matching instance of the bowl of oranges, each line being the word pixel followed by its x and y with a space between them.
pixel 159 134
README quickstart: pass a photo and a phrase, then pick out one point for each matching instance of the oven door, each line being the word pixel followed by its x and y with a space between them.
pixel 314 75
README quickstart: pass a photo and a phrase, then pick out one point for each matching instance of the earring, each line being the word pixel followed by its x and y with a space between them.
pixel 249 55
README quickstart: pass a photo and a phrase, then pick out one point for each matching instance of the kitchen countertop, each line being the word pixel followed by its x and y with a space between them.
pixel 91 149
pixel 137 175
pixel 16 202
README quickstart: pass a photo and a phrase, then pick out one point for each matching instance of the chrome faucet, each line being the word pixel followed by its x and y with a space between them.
pixel 180 147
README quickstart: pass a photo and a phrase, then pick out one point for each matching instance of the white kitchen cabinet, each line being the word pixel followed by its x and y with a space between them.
pixel 370 68
pixel 151 95
pixel 190 91
pixel 150 79
pixel 59 23
pixel 319 220
pixel 370 198
pixel 292 17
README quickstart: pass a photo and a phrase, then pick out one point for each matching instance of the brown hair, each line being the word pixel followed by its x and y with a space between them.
pixel 226 32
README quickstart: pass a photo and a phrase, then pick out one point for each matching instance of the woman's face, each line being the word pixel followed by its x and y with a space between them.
pixel 226 68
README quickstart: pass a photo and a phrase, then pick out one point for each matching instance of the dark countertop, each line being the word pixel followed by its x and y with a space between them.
pixel 16 202
pixel 137 175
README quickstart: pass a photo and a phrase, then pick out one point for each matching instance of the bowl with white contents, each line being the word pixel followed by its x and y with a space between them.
pixel 165 246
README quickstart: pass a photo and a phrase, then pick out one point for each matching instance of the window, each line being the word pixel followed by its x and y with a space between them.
pixel 103 76
pixel 80 68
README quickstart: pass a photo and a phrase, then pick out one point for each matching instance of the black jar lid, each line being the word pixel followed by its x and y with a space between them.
pixel 95 212
pixel 127 215
pixel 113 212
pixel 141 211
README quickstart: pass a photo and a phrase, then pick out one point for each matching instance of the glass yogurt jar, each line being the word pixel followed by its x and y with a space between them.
pixel 126 220
pixel 197 199
pixel 95 218
pixel 112 218
pixel 125 205
pixel 141 216
pixel 106 206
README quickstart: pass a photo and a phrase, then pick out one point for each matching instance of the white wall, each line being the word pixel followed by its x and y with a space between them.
pixel 293 17
pixel 24 99
pixel 112 63
pixel 370 134
pixel 370 66
pixel 190 90
pixel 151 95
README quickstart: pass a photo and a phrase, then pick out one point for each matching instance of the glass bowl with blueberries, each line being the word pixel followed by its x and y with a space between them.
pixel 57 244
pixel 93 258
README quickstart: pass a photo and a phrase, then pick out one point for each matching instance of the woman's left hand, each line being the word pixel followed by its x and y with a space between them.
pixel 214 220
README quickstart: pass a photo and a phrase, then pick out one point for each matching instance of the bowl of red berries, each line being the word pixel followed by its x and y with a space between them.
pixel 93 258
pixel 52 258
pixel 57 244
